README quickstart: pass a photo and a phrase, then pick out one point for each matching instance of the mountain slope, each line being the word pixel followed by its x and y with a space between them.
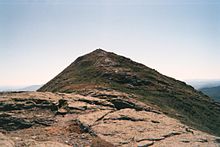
pixel 213 92
pixel 105 70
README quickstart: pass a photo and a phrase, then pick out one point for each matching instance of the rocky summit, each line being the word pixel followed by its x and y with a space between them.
pixel 97 118
pixel 106 100
pixel 105 70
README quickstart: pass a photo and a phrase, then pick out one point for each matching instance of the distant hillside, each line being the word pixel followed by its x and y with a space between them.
pixel 28 88
pixel 9 88
pixel 199 84
pixel 213 92
pixel 106 70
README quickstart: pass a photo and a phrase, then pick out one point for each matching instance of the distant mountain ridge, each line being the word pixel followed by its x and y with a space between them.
pixel 30 88
pixel 213 92
pixel 199 84
pixel 8 88
pixel 19 88
pixel 105 70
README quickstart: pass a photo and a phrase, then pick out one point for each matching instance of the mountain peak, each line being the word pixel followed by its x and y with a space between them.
pixel 106 70
pixel 98 58
pixel 99 50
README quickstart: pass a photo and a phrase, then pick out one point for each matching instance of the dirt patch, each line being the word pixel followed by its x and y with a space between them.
pixel 98 142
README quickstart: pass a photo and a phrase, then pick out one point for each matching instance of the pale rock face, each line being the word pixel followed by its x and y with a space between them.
pixel 5 141
pixel 112 118
pixel 127 126
pixel 49 144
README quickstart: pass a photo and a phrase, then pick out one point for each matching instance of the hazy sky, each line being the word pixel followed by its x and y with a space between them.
pixel 39 38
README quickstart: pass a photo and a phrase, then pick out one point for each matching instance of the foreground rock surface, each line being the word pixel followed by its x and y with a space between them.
pixel 96 118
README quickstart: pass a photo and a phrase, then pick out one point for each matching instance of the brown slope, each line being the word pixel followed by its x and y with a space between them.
pixel 101 69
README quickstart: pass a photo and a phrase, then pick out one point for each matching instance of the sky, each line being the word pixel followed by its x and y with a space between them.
pixel 39 38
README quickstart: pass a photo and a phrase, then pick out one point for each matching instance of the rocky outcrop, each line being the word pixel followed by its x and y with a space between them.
pixel 128 127
pixel 7 142
pixel 94 118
